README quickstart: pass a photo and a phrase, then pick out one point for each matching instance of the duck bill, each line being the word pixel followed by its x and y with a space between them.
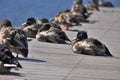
pixel 24 24
pixel 74 39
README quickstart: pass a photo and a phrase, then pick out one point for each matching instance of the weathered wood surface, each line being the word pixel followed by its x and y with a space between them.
pixel 48 61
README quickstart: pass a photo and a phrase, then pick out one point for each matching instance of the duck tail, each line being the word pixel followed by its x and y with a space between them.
pixel 19 65
pixel 108 52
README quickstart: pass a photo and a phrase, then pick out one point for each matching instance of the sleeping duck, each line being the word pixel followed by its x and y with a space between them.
pixel 66 18
pixel 16 38
pixel 79 9
pixel 80 12
pixel 104 3
pixel 93 5
pixel 7 60
pixel 51 33
pixel 89 46
pixel 30 27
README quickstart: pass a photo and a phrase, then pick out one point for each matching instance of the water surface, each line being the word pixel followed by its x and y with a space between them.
pixel 19 10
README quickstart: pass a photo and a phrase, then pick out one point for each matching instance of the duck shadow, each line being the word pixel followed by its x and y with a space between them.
pixel 74 30
pixel 31 60
pixel 12 74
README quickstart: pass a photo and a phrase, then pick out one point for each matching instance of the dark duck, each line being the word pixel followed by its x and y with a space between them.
pixel 7 60
pixel 89 46
pixel 30 27
pixel 51 32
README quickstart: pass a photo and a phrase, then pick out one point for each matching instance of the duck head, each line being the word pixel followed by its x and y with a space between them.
pixel 42 21
pixel 79 1
pixel 5 23
pixel 44 27
pixel 29 21
pixel 81 35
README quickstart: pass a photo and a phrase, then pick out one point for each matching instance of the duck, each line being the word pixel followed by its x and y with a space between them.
pixel 80 11
pixel 7 59
pixel 66 18
pixel 89 46
pixel 93 5
pixel 52 33
pixel 16 38
pixel 30 27
pixel 104 3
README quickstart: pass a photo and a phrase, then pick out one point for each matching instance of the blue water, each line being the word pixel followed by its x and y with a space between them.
pixel 19 10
